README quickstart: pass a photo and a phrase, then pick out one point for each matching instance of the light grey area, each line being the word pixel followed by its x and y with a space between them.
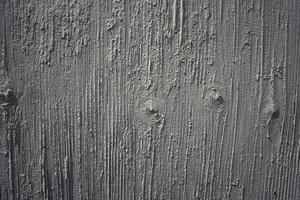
pixel 149 99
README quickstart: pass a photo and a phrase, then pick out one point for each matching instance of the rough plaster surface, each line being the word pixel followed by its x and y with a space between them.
pixel 150 99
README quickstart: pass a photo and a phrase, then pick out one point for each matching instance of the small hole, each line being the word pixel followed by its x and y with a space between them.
pixel 275 115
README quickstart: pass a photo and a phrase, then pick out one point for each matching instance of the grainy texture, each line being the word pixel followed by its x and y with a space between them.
pixel 150 99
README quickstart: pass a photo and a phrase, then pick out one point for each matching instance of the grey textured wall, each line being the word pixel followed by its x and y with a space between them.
pixel 150 99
